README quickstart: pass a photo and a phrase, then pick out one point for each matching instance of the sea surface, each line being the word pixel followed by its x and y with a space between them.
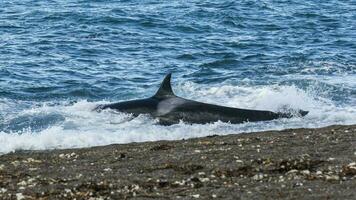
pixel 59 59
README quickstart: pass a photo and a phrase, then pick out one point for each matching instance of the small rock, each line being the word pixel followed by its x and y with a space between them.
pixel 68 156
pixel 293 171
pixel 196 196
pixel 257 177
pixel 305 172
pixel 181 183
pixel 331 159
pixel 204 180
pixel 281 179
pixel 205 142
pixel 15 163
pixel 299 184
pixel 135 187
pixel 332 177
pixel 30 180
pixel 22 183
pixel 96 198
pixel 19 196
pixel 349 169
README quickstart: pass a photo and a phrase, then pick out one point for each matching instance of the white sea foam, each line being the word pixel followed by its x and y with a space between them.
pixel 82 127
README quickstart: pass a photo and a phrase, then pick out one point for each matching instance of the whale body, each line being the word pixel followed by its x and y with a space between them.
pixel 170 109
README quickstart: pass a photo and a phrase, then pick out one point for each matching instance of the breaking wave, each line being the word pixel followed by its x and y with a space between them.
pixel 74 124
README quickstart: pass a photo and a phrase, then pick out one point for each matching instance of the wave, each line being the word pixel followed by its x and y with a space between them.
pixel 68 124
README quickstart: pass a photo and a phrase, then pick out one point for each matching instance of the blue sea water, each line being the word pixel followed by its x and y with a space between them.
pixel 59 59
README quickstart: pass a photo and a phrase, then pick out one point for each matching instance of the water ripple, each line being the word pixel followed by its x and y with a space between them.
pixel 52 51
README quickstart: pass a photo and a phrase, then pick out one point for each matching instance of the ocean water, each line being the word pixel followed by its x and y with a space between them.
pixel 59 59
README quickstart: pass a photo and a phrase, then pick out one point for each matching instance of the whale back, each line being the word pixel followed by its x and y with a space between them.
pixel 171 109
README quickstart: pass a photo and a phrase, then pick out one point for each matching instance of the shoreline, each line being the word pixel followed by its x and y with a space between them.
pixel 289 164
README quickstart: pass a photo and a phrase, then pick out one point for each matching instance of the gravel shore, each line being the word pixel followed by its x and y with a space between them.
pixel 288 164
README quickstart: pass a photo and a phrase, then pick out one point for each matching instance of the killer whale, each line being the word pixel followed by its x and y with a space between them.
pixel 170 109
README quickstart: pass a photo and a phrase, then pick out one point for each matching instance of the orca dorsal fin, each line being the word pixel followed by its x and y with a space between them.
pixel 165 90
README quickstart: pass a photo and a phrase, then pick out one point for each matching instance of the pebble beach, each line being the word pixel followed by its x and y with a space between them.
pixel 289 164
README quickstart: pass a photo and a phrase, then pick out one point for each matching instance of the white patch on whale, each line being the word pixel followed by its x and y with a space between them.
pixel 167 105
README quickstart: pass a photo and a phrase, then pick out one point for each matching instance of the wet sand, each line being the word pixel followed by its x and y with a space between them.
pixel 288 164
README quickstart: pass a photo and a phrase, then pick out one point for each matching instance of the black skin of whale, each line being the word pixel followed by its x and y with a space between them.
pixel 170 109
